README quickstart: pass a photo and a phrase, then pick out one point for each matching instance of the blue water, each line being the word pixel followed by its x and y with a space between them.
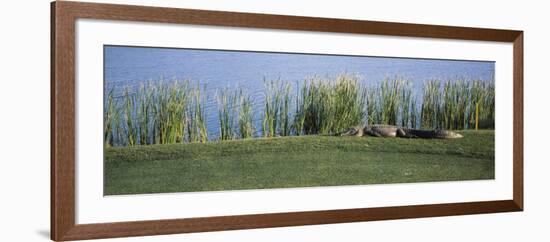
pixel 130 66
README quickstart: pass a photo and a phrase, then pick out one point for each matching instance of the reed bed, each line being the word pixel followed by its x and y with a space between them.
pixel 458 105
pixel 390 98
pixel 155 113
pixel 168 112
pixel 482 105
pixel 431 103
pixel 455 105
pixel 328 106
pixel 349 101
pixel 391 102
pixel 168 102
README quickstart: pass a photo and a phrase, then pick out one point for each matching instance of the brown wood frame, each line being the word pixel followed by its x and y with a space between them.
pixel 63 17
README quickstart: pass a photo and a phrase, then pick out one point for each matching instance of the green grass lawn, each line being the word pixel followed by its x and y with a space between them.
pixel 303 161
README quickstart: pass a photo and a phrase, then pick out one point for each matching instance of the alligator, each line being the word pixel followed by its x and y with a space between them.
pixel 381 130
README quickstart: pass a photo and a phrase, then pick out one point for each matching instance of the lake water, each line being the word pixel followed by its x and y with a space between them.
pixel 130 66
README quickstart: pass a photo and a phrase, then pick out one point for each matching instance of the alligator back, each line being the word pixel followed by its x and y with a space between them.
pixel 381 130
pixel 353 131
pixel 428 134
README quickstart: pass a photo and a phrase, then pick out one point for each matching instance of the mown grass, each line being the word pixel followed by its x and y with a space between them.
pixel 297 161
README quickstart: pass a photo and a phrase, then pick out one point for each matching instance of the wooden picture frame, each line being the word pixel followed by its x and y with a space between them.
pixel 63 18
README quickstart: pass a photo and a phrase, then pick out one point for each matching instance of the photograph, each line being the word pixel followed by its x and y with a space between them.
pixel 196 120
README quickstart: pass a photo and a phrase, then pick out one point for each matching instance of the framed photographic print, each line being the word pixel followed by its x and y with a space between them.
pixel 172 120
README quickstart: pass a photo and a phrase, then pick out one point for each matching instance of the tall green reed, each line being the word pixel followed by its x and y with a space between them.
pixel 245 120
pixel 390 100
pixel 129 112
pixel 457 104
pixel 197 131
pixel 454 108
pixel 145 112
pixel 284 122
pixel 109 120
pixel 482 104
pixel 431 103
pixel 325 106
pixel 272 102
pixel 373 116
pixel 406 105
pixel 301 98
pixel 315 106
pixel 169 102
pixel 349 99
pixel 227 104
pixel 413 114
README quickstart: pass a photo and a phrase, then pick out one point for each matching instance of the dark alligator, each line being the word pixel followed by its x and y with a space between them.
pixel 381 130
